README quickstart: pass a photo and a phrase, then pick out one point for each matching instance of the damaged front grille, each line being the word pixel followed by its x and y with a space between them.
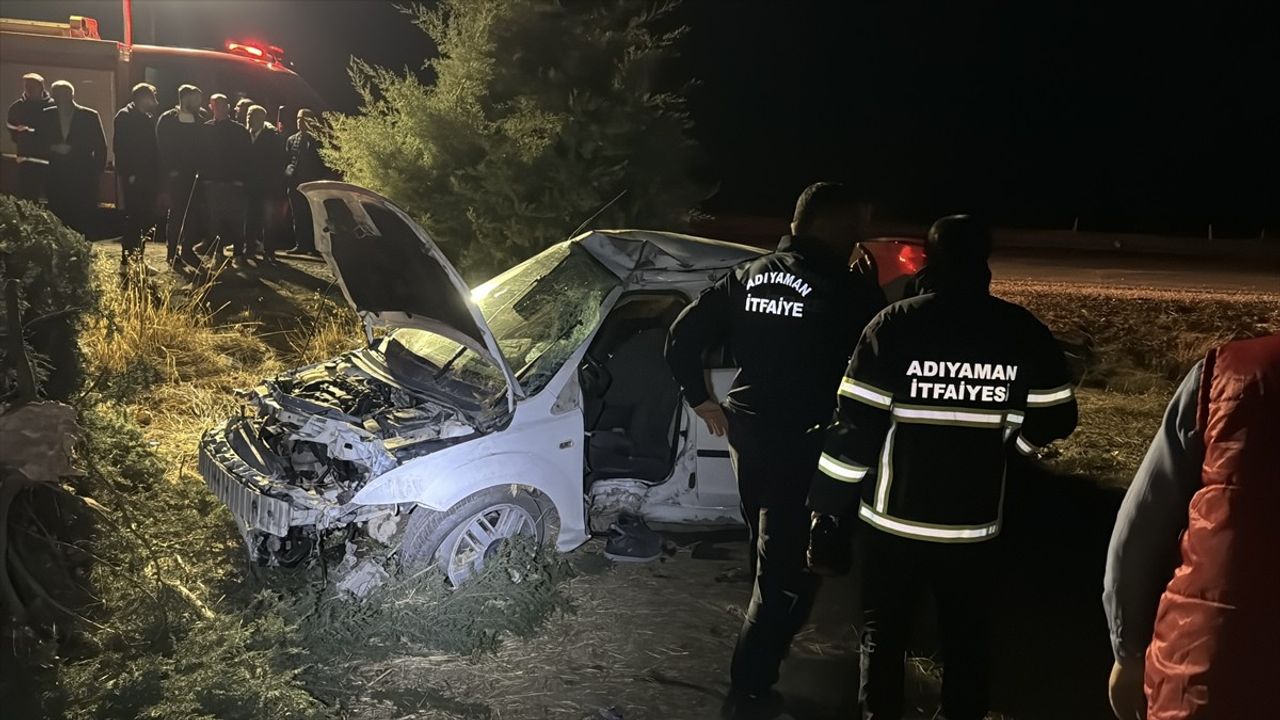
pixel 252 509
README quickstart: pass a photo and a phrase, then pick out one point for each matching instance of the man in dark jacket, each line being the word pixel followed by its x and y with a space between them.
pixel 71 139
pixel 21 121
pixel 941 388
pixel 224 169
pixel 178 139
pixel 304 165
pixel 265 185
pixel 137 166
pixel 790 320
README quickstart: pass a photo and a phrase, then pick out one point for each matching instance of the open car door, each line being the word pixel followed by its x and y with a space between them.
pixel 393 274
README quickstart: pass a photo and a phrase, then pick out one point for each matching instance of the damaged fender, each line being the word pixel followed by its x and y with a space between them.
pixel 442 479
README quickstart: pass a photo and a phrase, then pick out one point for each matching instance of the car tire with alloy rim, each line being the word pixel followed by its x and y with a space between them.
pixel 462 539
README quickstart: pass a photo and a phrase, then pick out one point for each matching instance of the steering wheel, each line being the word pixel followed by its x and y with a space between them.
pixel 596 377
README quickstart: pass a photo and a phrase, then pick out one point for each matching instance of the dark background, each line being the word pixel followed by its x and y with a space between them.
pixel 1160 119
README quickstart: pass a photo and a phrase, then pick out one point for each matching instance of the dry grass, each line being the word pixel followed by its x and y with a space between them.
pixel 326 328
pixel 1145 338
pixel 1144 341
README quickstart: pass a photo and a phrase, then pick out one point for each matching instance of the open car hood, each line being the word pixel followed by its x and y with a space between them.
pixel 393 274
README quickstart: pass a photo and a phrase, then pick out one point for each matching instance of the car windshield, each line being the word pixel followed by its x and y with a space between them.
pixel 540 311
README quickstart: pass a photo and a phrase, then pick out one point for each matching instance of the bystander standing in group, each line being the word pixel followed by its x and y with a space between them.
pixel 21 121
pixel 223 170
pixel 265 184
pixel 70 137
pixel 178 142
pixel 241 114
pixel 304 165
pixel 137 167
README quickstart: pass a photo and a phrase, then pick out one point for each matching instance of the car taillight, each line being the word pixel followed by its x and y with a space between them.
pixel 910 259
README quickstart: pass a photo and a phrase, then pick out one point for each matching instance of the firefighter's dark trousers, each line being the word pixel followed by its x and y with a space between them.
pixel 773 474
pixel 894 573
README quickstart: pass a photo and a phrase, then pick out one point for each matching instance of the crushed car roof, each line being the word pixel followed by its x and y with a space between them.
pixel 629 251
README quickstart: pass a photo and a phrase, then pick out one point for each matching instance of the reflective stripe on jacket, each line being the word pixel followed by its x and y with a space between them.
pixel 939 389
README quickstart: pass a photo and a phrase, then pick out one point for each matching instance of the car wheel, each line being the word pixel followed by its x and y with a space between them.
pixel 462 539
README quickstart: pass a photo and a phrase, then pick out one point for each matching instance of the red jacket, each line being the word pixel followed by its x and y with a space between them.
pixel 1216 649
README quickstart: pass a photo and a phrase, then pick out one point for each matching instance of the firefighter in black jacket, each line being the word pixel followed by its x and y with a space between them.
pixel 940 389
pixel 790 320
pixel 137 166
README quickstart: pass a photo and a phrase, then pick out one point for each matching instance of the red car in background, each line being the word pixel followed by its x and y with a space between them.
pixel 895 259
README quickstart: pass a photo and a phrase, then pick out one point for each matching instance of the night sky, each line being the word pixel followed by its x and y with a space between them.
pixel 1033 113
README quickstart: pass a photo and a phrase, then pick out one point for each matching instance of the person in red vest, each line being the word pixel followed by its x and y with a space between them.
pixel 1196 633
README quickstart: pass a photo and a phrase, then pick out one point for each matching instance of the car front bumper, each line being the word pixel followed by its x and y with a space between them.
pixel 240 487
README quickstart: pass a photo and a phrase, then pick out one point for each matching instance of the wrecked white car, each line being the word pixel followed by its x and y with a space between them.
pixel 538 403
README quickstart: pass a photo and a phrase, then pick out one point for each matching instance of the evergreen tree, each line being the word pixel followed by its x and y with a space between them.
pixel 541 112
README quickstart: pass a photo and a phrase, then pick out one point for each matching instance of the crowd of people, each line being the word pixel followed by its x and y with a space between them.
pixel 202 176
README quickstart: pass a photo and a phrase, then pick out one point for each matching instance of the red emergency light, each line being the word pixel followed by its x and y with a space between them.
pixel 256 51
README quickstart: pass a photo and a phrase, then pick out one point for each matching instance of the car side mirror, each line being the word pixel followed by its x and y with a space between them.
pixel 594 378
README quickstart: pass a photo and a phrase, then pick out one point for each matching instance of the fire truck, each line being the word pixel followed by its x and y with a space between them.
pixel 105 71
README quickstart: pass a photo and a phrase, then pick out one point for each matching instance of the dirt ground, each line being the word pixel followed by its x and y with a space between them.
pixel 653 640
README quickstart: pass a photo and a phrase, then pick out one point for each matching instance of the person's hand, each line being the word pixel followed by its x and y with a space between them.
pixel 1128 698
pixel 713 415
pixel 133 179
pixel 830 550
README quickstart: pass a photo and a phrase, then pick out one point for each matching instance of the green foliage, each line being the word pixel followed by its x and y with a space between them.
pixel 519 588
pixel 540 114
pixel 52 264
pixel 158 651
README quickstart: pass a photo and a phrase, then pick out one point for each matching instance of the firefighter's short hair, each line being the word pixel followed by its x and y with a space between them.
pixel 821 199
pixel 185 90
pixel 958 239
pixel 58 85
pixel 142 88
pixel 34 76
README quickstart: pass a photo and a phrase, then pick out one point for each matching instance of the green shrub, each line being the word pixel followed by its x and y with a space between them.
pixel 540 113
pixel 51 263
pixel 160 648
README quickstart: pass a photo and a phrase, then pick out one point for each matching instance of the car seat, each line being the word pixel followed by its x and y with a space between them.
pixel 632 437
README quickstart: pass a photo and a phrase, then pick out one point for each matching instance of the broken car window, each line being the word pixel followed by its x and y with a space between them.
pixel 539 311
